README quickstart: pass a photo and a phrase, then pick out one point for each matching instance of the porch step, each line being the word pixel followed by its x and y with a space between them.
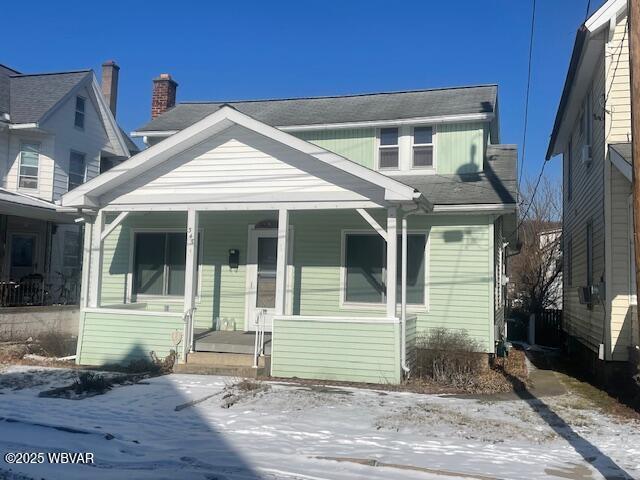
pixel 223 359
pixel 230 342
pixel 226 370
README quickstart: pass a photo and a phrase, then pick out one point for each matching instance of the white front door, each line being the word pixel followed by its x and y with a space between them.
pixel 261 276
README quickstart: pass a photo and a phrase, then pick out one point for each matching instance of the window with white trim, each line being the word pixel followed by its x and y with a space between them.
pixel 29 165
pixel 422 152
pixel 80 112
pixel 388 148
pixel 365 268
pixel 159 263
pixel 77 169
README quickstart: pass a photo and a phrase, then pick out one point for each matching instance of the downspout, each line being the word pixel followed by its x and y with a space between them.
pixel 403 295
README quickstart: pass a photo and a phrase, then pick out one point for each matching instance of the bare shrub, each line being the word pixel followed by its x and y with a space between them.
pixel 449 357
pixel 155 365
pixel 55 344
pixel 90 382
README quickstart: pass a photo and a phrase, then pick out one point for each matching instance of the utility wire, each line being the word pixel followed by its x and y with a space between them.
pixel 526 101
pixel 586 14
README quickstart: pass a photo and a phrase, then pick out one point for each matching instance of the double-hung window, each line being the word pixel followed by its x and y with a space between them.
pixel 422 147
pixel 365 268
pixel 77 169
pixel 29 165
pixel 388 149
pixel 80 112
pixel 159 263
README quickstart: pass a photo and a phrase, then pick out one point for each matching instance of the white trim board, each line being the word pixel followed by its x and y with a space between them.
pixel 308 318
pixel 88 194
pixel 621 164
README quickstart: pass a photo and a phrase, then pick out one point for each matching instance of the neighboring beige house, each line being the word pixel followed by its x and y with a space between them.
pixel 592 131
pixel 57 130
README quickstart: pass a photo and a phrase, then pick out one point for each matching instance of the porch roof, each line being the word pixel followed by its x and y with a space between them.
pixel 99 192
pixel 22 205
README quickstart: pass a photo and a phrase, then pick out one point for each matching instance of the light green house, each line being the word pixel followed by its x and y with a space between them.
pixel 337 228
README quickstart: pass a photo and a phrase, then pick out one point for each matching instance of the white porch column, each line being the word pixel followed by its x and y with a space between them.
pixel 86 264
pixel 95 273
pixel 191 273
pixel 403 298
pixel 281 262
pixel 391 260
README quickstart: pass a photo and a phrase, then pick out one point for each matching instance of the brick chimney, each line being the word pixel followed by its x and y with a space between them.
pixel 164 94
pixel 110 71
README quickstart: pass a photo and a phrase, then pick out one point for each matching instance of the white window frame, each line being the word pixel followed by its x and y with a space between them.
pixel 141 298
pixel 82 112
pixel 432 145
pixel 633 297
pixel 37 177
pixel 379 147
pixel 84 174
pixel 412 307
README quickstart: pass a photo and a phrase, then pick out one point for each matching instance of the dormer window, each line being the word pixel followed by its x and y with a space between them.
pixel 79 118
pixel 423 147
pixel 388 149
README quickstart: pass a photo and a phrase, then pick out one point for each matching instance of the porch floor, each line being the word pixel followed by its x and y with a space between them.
pixel 229 342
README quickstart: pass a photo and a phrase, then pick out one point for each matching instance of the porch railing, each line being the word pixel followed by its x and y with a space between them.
pixel 260 321
pixel 37 290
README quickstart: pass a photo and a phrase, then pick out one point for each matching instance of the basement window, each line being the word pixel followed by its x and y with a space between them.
pixel 365 268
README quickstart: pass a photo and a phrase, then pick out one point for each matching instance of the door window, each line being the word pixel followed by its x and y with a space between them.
pixel 266 276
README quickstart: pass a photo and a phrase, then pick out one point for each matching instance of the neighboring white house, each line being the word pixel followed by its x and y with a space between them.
pixel 57 130
pixel 592 131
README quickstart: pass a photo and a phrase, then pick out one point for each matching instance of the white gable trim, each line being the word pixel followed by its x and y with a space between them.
pixel 621 164
pixel 602 16
pixel 86 194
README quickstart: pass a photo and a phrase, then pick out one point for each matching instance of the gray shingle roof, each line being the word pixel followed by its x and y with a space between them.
pixel 5 92
pixel 497 184
pixel 340 109
pixel 624 150
pixel 34 95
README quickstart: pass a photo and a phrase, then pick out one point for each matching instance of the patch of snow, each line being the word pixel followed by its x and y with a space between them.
pixel 303 432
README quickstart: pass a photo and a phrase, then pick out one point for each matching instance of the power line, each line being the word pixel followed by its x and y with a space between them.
pixel 526 101
pixel 586 14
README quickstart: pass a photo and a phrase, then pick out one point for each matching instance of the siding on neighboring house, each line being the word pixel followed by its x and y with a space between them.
pixel 321 349
pixel 356 144
pixel 618 129
pixel 459 267
pixel 91 140
pixel 4 156
pixel 460 148
pixel 586 325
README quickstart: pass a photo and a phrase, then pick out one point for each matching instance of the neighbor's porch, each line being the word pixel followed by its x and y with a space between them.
pixel 235 278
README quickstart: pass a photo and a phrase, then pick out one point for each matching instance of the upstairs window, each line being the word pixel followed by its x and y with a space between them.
pixel 77 169
pixel 388 148
pixel 29 165
pixel 422 147
pixel 79 118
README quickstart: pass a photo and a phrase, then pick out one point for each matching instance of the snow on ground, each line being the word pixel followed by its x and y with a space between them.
pixel 305 432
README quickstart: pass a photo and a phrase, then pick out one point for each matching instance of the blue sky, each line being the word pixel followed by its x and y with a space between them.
pixel 237 50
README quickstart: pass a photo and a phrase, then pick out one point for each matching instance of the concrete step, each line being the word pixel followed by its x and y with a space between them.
pixel 227 359
pixel 226 370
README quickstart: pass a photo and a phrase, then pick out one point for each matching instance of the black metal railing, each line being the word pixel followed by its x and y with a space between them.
pixel 35 290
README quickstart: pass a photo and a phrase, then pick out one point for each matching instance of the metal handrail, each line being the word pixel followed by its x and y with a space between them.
pixel 258 350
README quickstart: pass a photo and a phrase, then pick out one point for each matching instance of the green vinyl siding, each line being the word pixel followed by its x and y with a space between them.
pixel 356 144
pixel 459 274
pixel 460 148
pixel 109 338
pixel 354 352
